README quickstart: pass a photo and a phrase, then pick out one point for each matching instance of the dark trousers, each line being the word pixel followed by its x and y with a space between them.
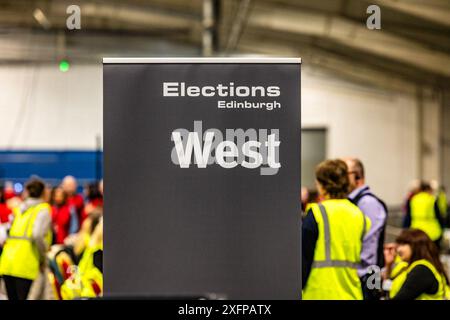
pixel 369 294
pixel 17 288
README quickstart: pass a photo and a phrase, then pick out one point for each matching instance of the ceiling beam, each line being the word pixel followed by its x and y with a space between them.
pixel 120 12
pixel 351 35
pixel 344 68
pixel 426 11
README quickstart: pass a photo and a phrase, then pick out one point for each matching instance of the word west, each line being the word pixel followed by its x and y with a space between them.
pixel 251 148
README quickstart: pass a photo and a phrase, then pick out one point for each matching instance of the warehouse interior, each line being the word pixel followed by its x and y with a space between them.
pixel 380 95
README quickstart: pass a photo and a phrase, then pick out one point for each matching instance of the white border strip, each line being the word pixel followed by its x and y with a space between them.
pixel 203 60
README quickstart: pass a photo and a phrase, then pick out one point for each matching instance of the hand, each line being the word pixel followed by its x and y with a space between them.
pixel 390 252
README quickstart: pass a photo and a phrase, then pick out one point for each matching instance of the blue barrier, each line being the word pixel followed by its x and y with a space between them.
pixel 51 165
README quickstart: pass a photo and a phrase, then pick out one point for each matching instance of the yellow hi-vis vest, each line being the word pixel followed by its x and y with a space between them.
pixel 90 273
pixel 442 203
pixel 333 276
pixel 20 257
pixel 423 216
pixel 398 276
pixel 82 283
pixel 443 292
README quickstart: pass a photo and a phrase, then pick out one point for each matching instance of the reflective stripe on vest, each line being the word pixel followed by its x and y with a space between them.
pixel 328 262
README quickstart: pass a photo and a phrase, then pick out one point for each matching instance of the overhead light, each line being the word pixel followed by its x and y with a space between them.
pixel 64 66
pixel 41 18
pixel 18 188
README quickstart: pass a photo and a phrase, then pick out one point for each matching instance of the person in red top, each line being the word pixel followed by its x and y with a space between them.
pixel 5 211
pixel 69 185
pixel 94 199
pixel 61 214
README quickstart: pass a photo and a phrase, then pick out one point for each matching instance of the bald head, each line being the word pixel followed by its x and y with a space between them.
pixel 69 185
pixel 355 172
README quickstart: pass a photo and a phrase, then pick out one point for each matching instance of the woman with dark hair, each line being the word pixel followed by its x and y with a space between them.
pixel 94 199
pixel 332 234
pixel 25 252
pixel 419 274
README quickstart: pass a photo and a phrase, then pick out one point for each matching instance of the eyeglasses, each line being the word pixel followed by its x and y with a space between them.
pixel 356 173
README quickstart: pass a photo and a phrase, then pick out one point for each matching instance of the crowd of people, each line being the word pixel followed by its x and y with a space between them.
pixel 344 254
pixel 55 233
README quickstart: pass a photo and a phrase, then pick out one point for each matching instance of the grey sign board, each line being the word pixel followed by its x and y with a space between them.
pixel 202 178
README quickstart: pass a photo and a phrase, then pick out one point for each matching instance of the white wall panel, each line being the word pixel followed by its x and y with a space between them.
pixel 41 107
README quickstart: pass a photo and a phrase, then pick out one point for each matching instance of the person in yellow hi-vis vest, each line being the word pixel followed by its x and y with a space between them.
pixel 87 281
pixel 419 275
pixel 423 213
pixel 29 238
pixel 332 236
pixel 443 204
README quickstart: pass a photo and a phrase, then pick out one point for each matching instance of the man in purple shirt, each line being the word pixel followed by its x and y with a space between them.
pixel 376 210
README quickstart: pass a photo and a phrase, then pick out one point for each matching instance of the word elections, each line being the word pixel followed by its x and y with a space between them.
pixel 251 148
pixel 180 89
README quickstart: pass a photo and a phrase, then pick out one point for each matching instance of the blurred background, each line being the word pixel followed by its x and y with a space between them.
pixel 380 95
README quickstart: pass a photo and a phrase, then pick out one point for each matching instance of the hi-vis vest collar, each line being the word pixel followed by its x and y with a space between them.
pixel 328 262
pixel 31 212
